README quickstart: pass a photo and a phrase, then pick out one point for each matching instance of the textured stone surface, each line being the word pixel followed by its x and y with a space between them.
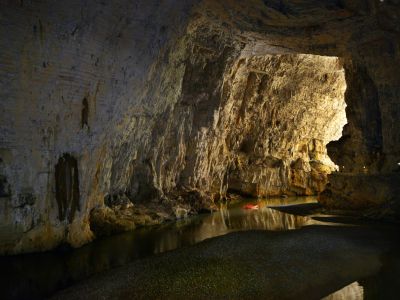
pixel 131 89
pixel 85 79
pixel 269 134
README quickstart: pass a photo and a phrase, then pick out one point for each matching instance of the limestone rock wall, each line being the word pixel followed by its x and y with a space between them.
pixel 366 35
pixel 102 106
pixel 368 152
pixel 126 98
pixel 81 79
pixel 277 113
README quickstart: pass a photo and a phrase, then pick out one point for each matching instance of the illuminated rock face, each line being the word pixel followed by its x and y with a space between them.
pixel 135 94
pixel 277 113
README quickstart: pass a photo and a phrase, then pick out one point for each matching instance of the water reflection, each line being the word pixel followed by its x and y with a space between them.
pixel 229 219
pixel 36 275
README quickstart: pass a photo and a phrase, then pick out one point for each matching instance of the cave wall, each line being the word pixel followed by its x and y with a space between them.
pixel 123 89
pixel 277 113
pixel 132 90
pixel 368 152
pixel 366 35
pixel 84 78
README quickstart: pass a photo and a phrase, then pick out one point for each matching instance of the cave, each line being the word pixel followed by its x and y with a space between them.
pixel 259 137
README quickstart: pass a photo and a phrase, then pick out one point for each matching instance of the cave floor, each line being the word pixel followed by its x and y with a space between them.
pixel 360 261
pixel 308 263
pixel 283 252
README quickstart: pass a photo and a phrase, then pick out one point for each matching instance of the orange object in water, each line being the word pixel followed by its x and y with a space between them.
pixel 250 206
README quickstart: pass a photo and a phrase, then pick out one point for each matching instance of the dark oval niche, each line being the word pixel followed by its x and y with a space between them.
pixel 67 187
pixel 85 113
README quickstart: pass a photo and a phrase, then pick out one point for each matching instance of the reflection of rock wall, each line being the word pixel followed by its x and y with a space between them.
pixel 269 133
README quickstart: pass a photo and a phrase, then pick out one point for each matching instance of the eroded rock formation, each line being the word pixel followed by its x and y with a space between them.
pixel 137 92
pixel 269 134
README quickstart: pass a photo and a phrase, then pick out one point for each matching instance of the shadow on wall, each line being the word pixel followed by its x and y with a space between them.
pixel 67 187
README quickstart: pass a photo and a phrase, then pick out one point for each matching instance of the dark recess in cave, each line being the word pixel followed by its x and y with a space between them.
pixel 85 113
pixel 67 187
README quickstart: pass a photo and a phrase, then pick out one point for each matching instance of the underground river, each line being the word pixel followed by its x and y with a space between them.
pixel 293 253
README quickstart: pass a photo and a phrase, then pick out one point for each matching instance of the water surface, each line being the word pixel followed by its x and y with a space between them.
pixel 35 276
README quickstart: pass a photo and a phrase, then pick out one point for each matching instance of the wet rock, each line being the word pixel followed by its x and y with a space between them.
pixel 363 192
pixel 118 201
pixel 181 212
pixel 105 221
pixel 153 215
